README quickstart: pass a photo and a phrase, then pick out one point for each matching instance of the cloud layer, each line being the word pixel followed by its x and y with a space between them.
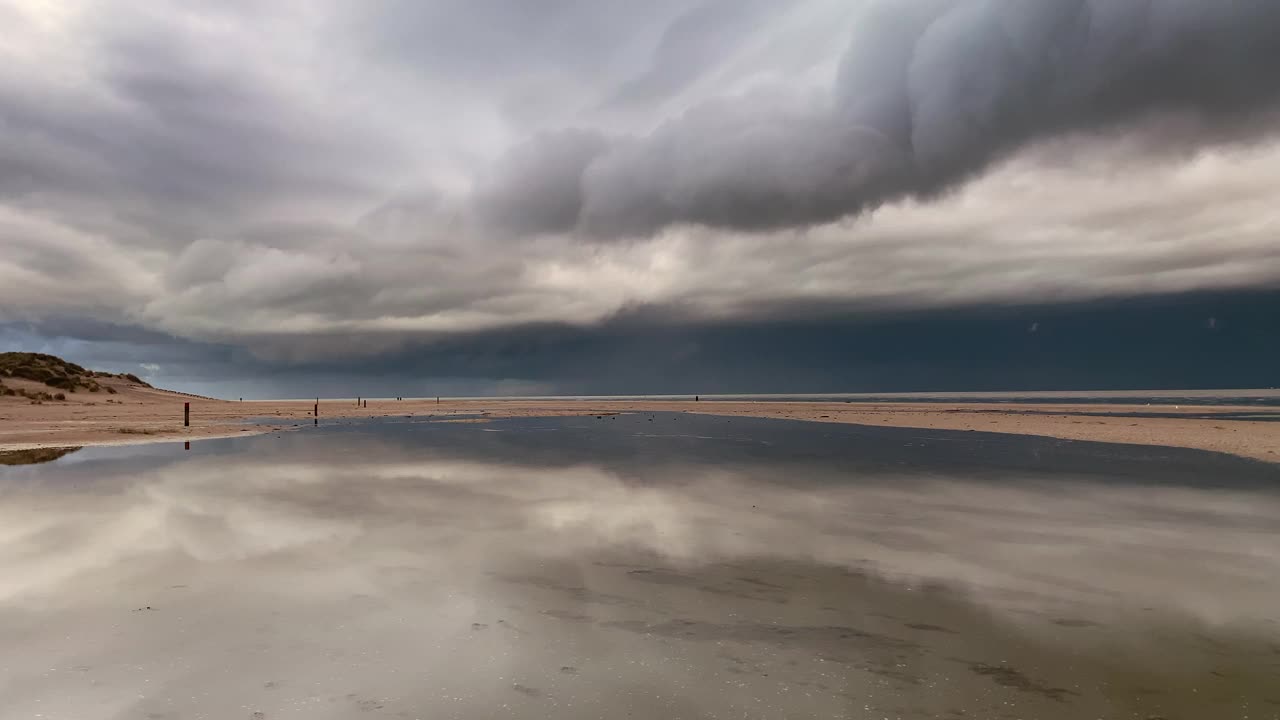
pixel 308 181
pixel 929 93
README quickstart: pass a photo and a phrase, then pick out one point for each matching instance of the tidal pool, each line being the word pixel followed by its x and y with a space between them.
pixel 643 566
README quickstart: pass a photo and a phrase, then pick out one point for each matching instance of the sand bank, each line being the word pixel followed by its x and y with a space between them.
pixel 136 414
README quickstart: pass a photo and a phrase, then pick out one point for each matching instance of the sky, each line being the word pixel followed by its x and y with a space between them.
pixel 404 197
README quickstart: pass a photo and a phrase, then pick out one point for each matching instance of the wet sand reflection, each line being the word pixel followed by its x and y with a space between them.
pixel 446 571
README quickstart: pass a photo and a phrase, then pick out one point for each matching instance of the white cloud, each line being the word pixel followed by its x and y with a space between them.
pixel 1026 232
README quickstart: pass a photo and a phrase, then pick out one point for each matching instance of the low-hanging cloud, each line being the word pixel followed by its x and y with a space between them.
pixel 318 182
pixel 930 92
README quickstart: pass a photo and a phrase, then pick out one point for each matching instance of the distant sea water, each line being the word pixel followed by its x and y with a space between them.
pixel 1267 397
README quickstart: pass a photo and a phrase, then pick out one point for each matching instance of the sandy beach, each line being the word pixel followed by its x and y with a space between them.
pixel 136 414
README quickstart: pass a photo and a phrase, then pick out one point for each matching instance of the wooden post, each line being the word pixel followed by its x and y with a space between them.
pixel 186 414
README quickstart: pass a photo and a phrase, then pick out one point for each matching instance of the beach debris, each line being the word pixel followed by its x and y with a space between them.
pixel 526 690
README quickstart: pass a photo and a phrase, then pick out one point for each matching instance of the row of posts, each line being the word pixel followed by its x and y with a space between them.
pixel 360 403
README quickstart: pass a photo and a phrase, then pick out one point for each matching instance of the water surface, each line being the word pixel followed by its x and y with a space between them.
pixel 1262 397
pixel 664 566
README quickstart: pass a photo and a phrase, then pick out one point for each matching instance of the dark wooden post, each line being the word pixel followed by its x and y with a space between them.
pixel 186 414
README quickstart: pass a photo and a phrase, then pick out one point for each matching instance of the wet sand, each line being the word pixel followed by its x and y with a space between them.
pixel 681 567
pixel 141 415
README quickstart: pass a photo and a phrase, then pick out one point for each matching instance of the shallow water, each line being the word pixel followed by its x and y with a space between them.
pixel 664 566
pixel 1261 397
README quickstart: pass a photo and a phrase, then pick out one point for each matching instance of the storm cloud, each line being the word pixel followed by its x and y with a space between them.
pixel 327 186
pixel 930 93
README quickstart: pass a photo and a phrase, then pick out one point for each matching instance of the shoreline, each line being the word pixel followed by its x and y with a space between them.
pixel 144 415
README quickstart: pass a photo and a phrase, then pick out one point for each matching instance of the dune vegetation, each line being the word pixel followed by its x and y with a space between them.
pixel 63 376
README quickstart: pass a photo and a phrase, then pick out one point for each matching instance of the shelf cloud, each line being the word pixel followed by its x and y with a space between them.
pixel 330 183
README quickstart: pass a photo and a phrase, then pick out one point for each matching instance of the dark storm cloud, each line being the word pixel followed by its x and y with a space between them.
pixel 1156 342
pixel 299 190
pixel 537 186
pixel 1137 343
pixel 121 348
pixel 930 93
pixel 1208 339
